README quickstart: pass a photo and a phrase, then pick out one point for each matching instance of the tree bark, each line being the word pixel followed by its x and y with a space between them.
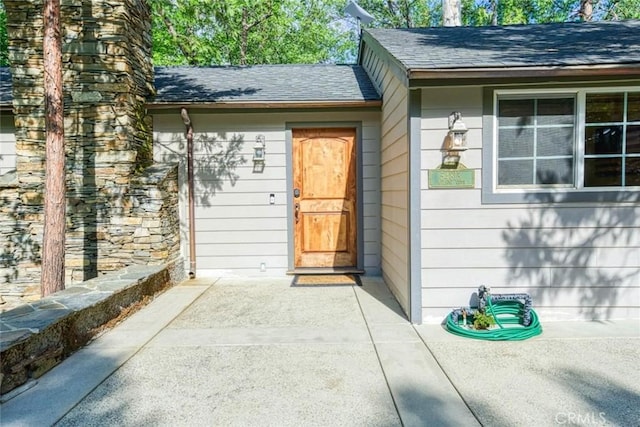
pixel 53 240
pixel 244 36
pixel 494 12
pixel 245 29
pixel 185 49
pixel 451 13
pixel 586 10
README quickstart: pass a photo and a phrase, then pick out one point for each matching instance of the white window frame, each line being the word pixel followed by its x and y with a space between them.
pixel 562 192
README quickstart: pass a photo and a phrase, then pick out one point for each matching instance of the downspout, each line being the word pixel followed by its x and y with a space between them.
pixel 190 189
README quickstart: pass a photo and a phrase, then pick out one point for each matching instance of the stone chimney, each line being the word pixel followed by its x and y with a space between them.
pixel 108 76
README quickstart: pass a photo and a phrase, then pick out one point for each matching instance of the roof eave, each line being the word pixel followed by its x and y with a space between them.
pixel 605 70
pixel 153 105
pixel 398 68
pixel 373 103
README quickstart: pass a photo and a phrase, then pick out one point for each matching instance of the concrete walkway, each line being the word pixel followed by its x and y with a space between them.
pixel 262 353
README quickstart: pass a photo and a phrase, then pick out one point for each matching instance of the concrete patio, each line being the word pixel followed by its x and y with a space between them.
pixel 261 352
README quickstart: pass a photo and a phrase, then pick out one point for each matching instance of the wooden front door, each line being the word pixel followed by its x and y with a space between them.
pixel 324 197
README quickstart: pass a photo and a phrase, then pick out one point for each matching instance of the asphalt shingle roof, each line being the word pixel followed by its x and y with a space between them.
pixel 264 83
pixel 555 45
pixel 560 44
pixel 259 83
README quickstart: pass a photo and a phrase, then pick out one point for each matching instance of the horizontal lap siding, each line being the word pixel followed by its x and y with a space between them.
pixel 577 260
pixel 394 180
pixel 7 143
pixel 237 228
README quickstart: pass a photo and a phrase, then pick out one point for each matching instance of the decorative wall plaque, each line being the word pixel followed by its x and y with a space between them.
pixel 452 178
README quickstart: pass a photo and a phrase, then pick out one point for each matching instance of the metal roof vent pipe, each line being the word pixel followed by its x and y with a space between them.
pixel 190 189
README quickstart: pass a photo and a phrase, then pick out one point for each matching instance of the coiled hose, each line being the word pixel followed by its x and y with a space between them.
pixel 509 319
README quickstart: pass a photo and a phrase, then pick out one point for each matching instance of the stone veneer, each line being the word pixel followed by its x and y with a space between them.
pixel 38 336
pixel 120 211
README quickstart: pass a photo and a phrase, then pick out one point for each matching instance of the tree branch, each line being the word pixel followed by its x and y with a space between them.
pixel 184 48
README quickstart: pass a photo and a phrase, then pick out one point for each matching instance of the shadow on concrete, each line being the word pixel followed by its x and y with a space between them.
pixel 422 408
pixel 611 403
pixel 378 289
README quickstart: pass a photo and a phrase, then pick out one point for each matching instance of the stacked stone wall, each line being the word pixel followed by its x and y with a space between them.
pixel 107 78
pixel 21 240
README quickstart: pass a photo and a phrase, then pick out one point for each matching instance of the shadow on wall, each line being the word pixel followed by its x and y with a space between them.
pixel 215 162
pixel 572 248
pixel 20 244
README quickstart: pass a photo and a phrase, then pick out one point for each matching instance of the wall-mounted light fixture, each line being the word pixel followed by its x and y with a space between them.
pixel 456 140
pixel 457 132
pixel 259 149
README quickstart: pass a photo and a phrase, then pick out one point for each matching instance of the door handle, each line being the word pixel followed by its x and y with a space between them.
pixel 297 212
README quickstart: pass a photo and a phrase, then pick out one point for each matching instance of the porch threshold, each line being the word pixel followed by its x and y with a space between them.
pixel 333 270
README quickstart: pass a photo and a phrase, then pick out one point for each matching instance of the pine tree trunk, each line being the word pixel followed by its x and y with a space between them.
pixel 451 13
pixel 586 10
pixel 494 12
pixel 54 195
pixel 244 37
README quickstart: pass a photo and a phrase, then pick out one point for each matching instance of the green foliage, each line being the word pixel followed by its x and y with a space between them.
pixel 243 32
pixel 403 13
pixel 482 320
pixel 507 12
pixel 622 9
pixel 4 40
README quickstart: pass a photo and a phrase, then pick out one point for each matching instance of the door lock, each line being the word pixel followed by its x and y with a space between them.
pixel 296 192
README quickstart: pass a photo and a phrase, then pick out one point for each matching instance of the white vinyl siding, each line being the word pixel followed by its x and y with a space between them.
pixel 577 260
pixel 7 143
pixel 237 229
pixel 394 182
pixel 375 67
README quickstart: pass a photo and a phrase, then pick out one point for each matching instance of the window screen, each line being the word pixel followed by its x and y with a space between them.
pixel 536 139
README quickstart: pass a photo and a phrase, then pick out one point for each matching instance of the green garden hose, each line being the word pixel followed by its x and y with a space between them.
pixel 508 316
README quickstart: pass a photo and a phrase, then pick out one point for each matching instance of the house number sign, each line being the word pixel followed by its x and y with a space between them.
pixel 452 178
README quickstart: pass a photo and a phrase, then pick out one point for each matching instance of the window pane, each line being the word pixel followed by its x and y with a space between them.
pixel 515 172
pixel 602 172
pixel 632 171
pixel 633 107
pixel 555 111
pixel 554 171
pixel 603 140
pixel 633 139
pixel 515 112
pixel 555 141
pixel 515 143
pixel 605 107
